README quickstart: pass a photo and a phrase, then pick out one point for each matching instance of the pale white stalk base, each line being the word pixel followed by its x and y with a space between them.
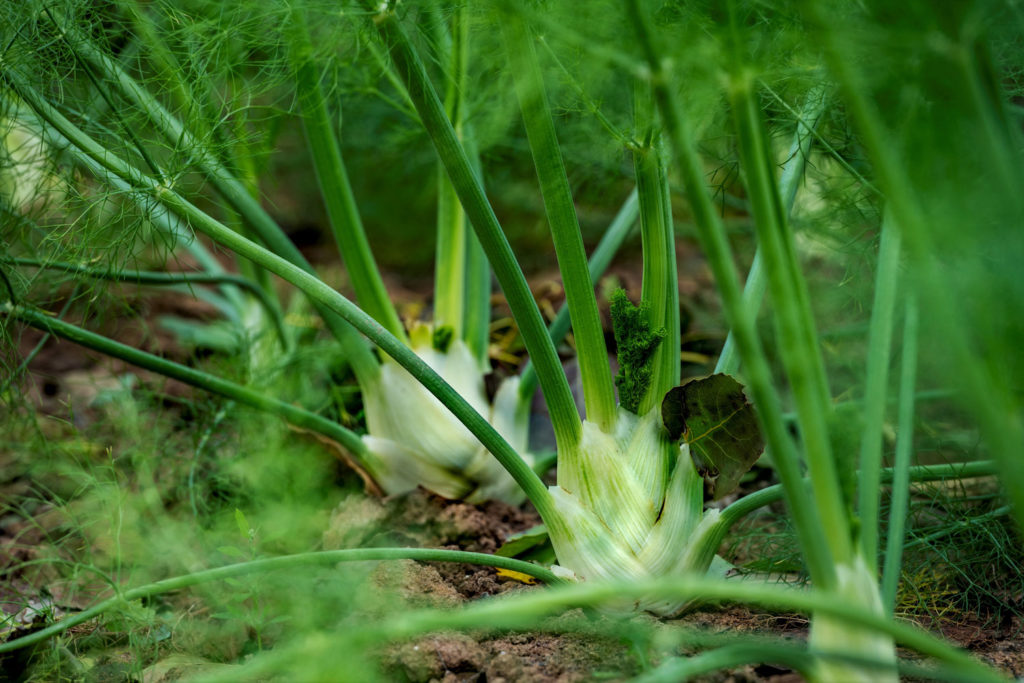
pixel 857 585
pixel 617 516
pixel 416 441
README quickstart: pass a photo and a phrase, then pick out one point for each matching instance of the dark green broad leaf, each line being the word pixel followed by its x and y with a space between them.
pixel 713 416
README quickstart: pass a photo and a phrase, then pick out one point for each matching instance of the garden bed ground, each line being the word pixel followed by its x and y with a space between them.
pixel 42 526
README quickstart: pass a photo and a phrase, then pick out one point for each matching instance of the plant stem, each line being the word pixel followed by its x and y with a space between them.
pixel 801 355
pixel 524 610
pixel 197 378
pixel 462 276
pixel 324 557
pixel 335 189
pixel 712 236
pixel 875 386
pixel 792 173
pixel 108 166
pixel 768 495
pixel 740 654
pixel 477 318
pixel 660 284
pixel 144 277
pixel 598 391
pixel 600 259
pixel 450 262
pixel 899 502
pixel 410 68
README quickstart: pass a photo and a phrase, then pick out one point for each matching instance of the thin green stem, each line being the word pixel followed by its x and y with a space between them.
pixel 462 284
pixel 450 258
pixel 793 170
pixel 524 610
pixel 712 236
pixel 477 318
pixel 410 68
pixel 801 355
pixel 598 391
pixel 899 503
pixel 325 557
pixel 611 241
pixel 739 654
pixel 335 188
pixel 30 356
pixel 875 389
pixel 113 111
pixel 144 277
pixel 660 284
pixel 197 378
pixel 770 494
pixel 754 288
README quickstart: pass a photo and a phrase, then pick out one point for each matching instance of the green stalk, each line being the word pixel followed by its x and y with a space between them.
pixel 736 655
pixel 994 404
pixel 143 277
pixel 323 557
pixel 598 391
pixel 792 174
pixel 196 378
pixel 477 314
pixel 801 355
pixel 712 236
pixel 318 292
pixel 335 189
pixel 452 243
pixel 525 610
pixel 15 375
pixel 889 475
pixel 660 285
pixel 875 385
pixel 409 66
pixel 899 503
pixel 600 259
pixel 462 285
pixel 450 259
pixel 754 288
